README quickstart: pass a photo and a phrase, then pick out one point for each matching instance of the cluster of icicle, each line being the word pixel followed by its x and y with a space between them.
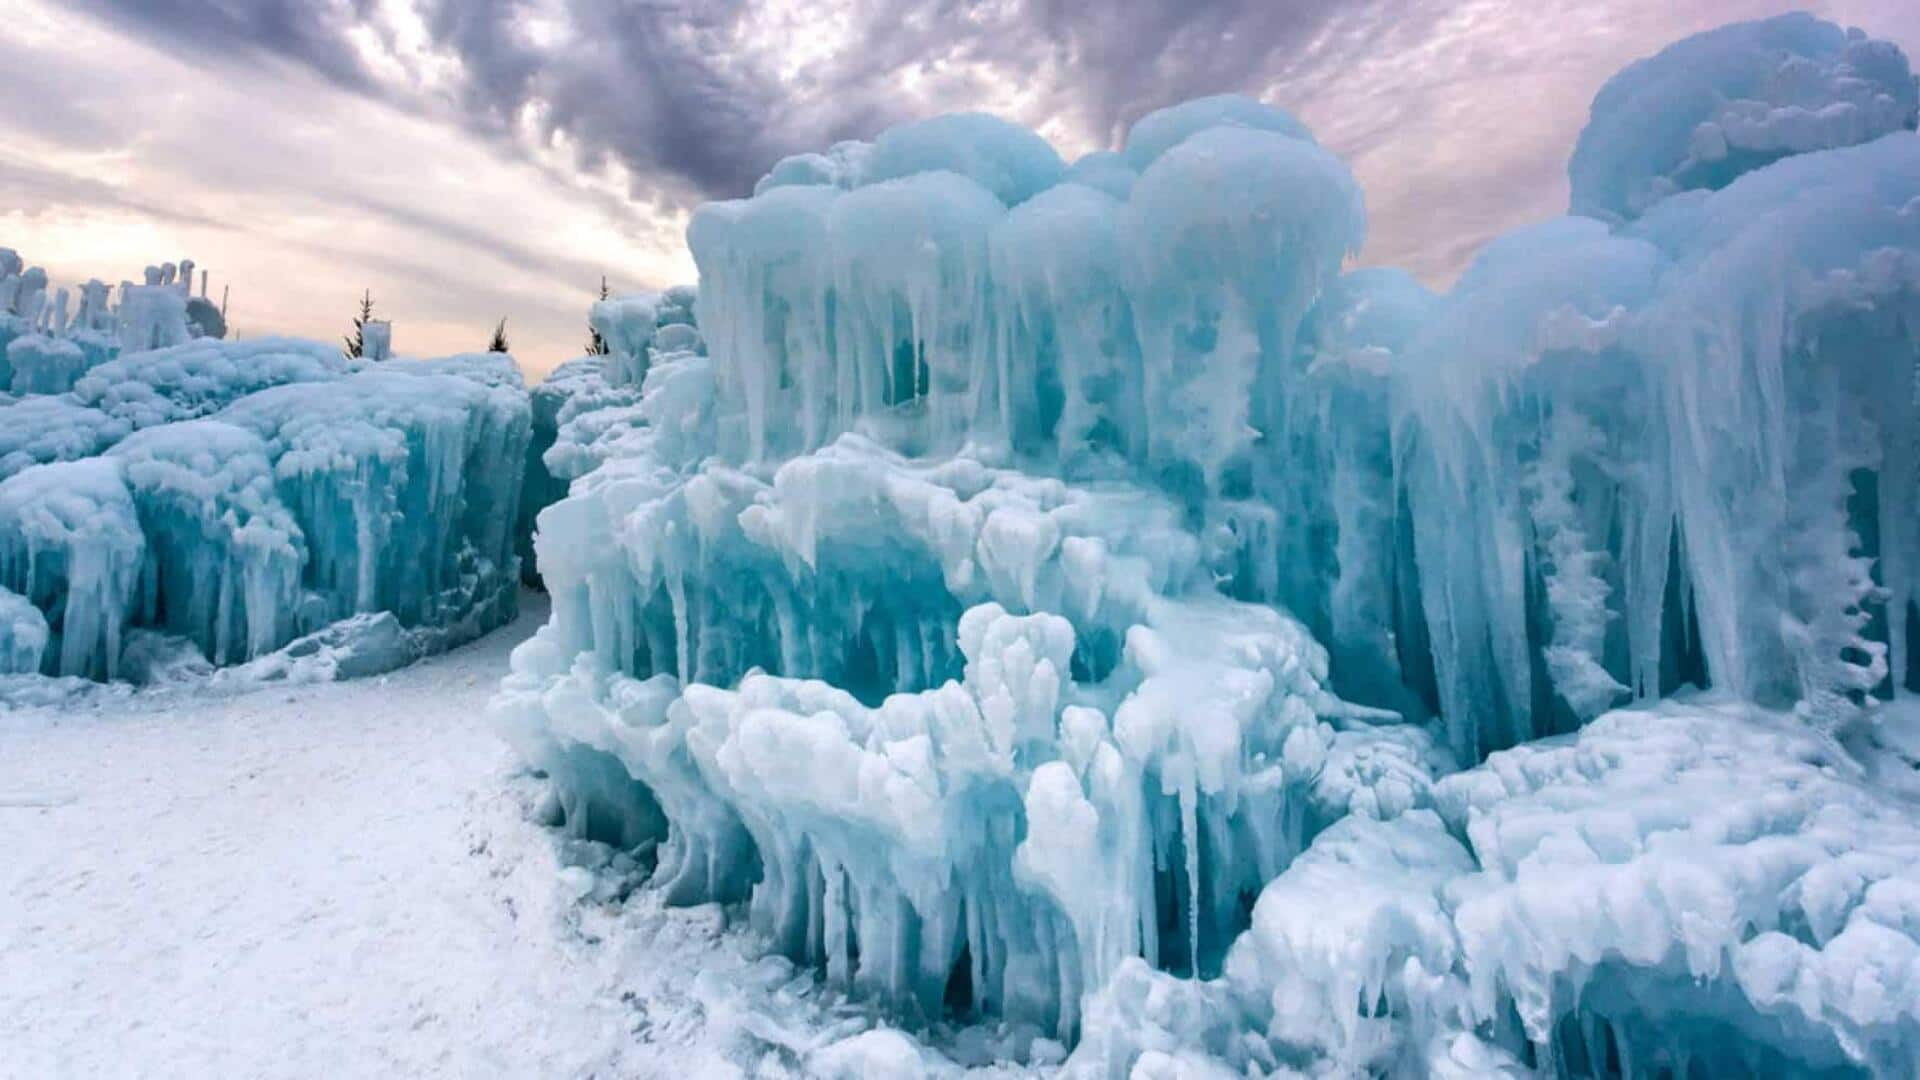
pixel 949 585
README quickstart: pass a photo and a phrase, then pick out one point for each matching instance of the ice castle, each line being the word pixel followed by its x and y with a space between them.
pixel 1062 598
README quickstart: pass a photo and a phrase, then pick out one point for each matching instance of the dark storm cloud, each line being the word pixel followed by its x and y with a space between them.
pixel 653 84
pixel 677 91
pixel 1132 57
pixel 309 33
pixel 1456 114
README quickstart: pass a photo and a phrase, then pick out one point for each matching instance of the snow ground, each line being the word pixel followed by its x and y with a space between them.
pixel 342 880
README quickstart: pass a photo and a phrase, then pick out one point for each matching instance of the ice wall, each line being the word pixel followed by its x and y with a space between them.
pixel 952 591
pixel 920 301
pixel 581 409
pixel 1677 453
pixel 239 495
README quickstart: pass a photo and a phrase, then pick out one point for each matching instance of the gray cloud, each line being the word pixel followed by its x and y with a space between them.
pixel 32 189
pixel 1457 114
pixel 475 238
pixel 689 96
pixel 309 33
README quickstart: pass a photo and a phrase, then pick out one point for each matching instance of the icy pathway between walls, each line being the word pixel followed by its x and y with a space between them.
pixel 341 880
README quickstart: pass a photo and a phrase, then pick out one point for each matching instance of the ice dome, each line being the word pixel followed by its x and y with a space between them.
pixel 1708 109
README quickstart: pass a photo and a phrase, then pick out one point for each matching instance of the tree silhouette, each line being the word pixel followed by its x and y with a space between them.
pixel 357 342
pixel 597 345
pixel 499 342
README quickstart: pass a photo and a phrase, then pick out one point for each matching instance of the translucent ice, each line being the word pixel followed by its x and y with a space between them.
pixel 23 635
pixel 1702 885
pixel 953 597
pixel 234 496
pixel 70 542
pixel 1009 161
pixel 38 430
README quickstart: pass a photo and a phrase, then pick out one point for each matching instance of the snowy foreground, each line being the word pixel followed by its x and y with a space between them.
pixel 172 910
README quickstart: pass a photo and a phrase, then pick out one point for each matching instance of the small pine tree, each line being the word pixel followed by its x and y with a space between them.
pixel 357 343
pixel 597 345
pixel 499 342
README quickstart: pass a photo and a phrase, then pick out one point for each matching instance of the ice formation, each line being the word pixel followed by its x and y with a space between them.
pixel 46 346
pixel 224 499
pixel 1690 886
pixel 1721 104
pixel 1059 594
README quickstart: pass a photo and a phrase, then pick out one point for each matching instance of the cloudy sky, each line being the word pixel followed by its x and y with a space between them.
pixel 468 160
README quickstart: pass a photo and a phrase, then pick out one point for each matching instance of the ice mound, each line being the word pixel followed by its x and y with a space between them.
pixel 920 302
pixel 946 639
pixel 200 378
pixel 224 555
pixel 1160 131
pixel 586 406
pixel 843 165
pixel 1009 161
pixel 405 484
pixel 1701 882
pixel 39 430
pixel 231 497
pixel 783 790
pixel 44 365
pixel 23 635
pixel 1061 597
pixel 1721 104
pixel 1698 885
pixel 1681 453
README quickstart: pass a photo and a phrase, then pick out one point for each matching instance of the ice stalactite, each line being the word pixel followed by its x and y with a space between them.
pixel 224 555
pixel 70 542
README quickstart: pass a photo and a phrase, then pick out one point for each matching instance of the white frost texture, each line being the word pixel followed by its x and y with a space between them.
pixel 1064 607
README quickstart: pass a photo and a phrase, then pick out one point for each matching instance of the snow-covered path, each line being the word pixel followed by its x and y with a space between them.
pixel 288 881
pixel 333 880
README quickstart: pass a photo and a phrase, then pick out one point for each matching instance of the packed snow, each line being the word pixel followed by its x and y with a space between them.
pixel 1054 616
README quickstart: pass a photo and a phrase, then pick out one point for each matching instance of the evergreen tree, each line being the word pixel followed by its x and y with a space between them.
pixel 597 345
pixel 357 343
pixel 499 342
